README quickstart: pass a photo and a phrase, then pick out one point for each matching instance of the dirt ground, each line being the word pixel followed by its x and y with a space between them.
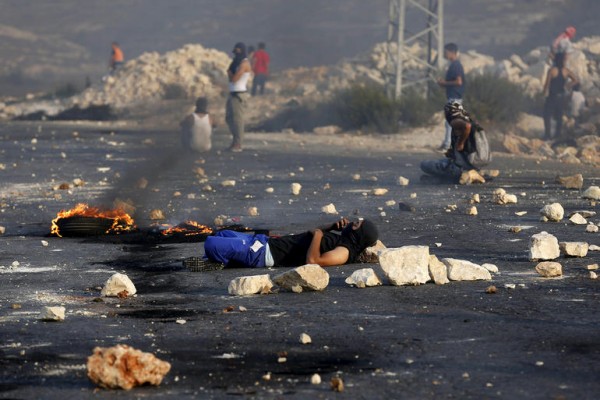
pixel 538 340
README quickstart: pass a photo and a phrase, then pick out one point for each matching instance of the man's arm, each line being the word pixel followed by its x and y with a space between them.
pixel 336 226
pixel 337 256
pixel 457 82
pixel 244 67
pixel 547 82
pixel 463 128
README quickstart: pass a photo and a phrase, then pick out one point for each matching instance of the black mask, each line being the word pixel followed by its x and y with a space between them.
pixel 362 237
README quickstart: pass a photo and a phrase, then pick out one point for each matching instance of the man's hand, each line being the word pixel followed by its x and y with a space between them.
pixel 441 82
pixel 341 224
pixel 460 146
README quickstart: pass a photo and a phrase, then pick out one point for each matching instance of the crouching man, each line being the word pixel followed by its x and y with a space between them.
pixel 320 246
pixel 469 149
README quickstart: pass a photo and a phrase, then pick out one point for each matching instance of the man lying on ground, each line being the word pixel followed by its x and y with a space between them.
pixel 469 149
pixel 320 246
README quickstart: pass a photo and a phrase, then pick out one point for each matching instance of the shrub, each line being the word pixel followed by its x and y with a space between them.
pixel 492 99
pixel 416 109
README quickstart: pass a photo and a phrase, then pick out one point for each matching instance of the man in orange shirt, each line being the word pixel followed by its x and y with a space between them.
pixel 116 59
pixel 260 67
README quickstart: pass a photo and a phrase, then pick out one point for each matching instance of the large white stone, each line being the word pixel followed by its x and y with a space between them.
pixel 490 267
pixel 371 254
pixel 52 314
pixel 577 219
pixel 574 249
pixel 554 212
pixel 116 284
pixel 593 193
pixel 309 277
pixel 549 269
pixel 363 278
pixel 543 246
pixel 462 270
pixel 248 285
pixel 438 271
pixel 408 265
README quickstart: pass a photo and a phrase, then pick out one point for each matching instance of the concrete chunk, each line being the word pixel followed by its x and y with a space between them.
pixel 309 277
pixel 462 270
pixel 549 269
pixel 438 271
pixel 543 246
pixel 248 285
pixel 574 249
pixel 117 284
pixel 52 314
pixel 363 278
pixel 408 265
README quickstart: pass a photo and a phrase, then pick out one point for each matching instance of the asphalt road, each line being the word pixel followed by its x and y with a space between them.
pixel 538 340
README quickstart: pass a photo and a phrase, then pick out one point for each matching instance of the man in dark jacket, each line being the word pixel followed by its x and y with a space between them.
pixel 320 246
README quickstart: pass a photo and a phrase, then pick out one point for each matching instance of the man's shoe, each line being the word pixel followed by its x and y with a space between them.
pixel 235 148
pixel 199 264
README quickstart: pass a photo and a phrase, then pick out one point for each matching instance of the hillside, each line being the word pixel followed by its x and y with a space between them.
pixel 46 44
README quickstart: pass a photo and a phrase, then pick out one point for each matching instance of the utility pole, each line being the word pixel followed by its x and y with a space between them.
pixel 397 42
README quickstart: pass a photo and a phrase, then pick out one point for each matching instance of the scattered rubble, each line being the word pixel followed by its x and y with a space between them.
pixel 248 285
pixel 157 215
pixel 592 267
pixel 592 193
pixel 491 289
pixel 123 367
pixel 461 270
pixel 371 254
pixel 543 246
pixel 574 249
pixel 402 181
pixel 593 275
pixel 364 277
pixel 553 212
pixel 570 182
pixel 549 269
pixel 577 219
pixel 52 314
pixel 337 384
pixel 499 196
pixel 305 338
pixel 315 379
pixel 379 192
pixel 471 210
pixel 475 199
pixel 407 265
pixel 116 284
pixel 295 188
pixel 470 177
pixel 309 277
pixel 438 271
pixel 329 209
pixel 490 267
pixel 252 211
pixel 591 228
pixel 228 183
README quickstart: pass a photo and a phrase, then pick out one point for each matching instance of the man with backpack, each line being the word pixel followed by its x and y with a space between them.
pixel 469 149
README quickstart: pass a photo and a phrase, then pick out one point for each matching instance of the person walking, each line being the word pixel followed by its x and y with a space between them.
pixel 260 67
pixel 555 90
pixel 454 84
pixel 238 73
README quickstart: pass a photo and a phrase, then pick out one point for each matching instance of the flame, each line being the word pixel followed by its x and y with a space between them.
pixel 122 222
pixel 187 228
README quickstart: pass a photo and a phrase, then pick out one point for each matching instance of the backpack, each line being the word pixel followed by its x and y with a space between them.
pixel 478 148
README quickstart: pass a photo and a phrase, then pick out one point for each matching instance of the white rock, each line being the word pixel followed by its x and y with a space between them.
pixel 520 213
pixel 309 277
pixel 305 338
pixel 2 230
pixel 577 219
pixel 593 193
pixel 248 285
pixel 295 188
pixel 574 249
pixel 379 192
pixel 490 267
pixel 44 243
pixel 315 379
pixel 329 209
pixel 592 267
pixel 554 212
pixel 390 203
pixel 543 246
pixel 252 211
pixel 269 190
pixel 371 254
pixel 499 196
pixel 438 271
pixel 52 314
pixel 593 275
pixel 228 182
pixel 462 270
pixel 180 321
pixel 549 269
pixel 356 177
pixel 116 284
pixel 593 247
pixel 471 210
pixel 591 228
pixel 402 181
pixel 408 265
pixel 475 198
pixel 363 278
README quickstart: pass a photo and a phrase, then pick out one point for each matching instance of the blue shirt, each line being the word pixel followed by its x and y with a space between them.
pixel 455 69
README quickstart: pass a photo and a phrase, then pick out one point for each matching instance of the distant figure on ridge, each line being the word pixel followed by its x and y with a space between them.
pixel 196 128
pixel 562 43
pixel 454 84
pixel 555 90
pixel 239 72
pixel 260 67
pixel 116 58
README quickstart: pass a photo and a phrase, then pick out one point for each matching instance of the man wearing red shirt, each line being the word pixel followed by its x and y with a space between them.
pixel 260 67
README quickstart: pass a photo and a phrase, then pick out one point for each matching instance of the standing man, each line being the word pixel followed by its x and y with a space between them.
pixel 454 84
pixel 260 67
pixel 238 72
pixel 562 43
pixel 116 58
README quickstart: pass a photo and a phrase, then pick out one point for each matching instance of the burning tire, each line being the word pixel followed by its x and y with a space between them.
pixel 84 226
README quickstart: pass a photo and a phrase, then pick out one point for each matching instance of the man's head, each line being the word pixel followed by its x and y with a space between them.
pixel 454 110
pixel 239 49
pixel 201 105
pixel 451 51
pixel 571 31
pixel 115 44
pixel 261 46
pixel 362 233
